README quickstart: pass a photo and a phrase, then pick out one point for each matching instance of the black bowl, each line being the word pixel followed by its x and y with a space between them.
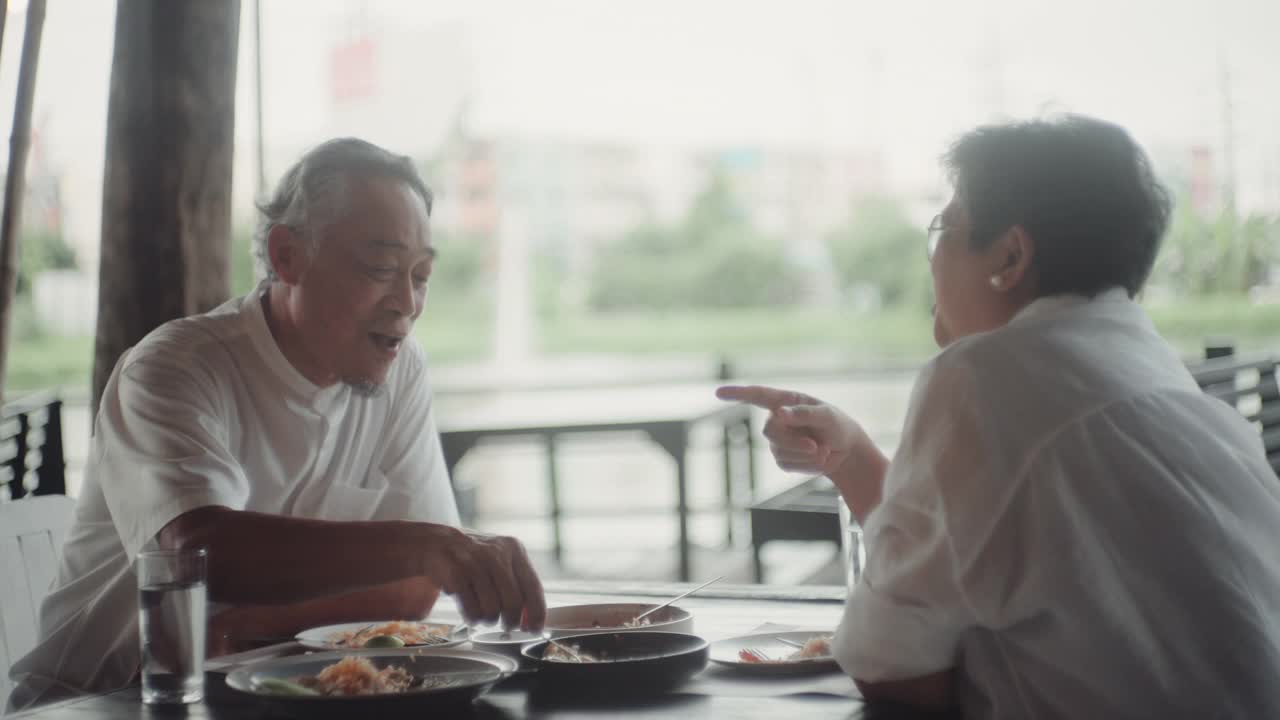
pixel 632 662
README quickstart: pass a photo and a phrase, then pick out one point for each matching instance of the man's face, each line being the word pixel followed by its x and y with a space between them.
pixel 365 284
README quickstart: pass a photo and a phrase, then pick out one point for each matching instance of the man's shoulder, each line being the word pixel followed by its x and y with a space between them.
pixel 196 339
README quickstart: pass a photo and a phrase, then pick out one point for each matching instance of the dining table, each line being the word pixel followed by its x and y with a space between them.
pixel 719 612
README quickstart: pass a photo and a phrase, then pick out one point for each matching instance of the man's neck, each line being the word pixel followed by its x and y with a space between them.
pixel 275 310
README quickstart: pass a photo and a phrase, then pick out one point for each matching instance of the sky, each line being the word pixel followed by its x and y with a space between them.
pixel 906 76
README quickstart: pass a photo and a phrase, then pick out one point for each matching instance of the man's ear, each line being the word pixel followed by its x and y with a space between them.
pixel 1011 255
pixel 289 253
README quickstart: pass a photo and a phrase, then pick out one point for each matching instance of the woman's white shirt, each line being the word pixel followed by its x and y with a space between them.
pixel 1076 528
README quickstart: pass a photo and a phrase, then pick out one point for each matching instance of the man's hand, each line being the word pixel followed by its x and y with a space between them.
pixel 490 576
pixel 808 435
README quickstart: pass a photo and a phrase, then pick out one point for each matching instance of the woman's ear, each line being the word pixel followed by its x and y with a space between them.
pixel 1011 255
pixel 288 252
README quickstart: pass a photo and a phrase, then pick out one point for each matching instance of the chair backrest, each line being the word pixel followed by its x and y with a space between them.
pixel 1247 384
pixel 31 457
pixel 31 533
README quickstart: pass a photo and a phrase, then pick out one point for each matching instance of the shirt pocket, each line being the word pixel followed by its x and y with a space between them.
pixel 346 502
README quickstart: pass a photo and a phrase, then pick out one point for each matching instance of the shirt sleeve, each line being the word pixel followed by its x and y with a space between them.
pixel 161 446
pixel 905 617
pixel 413 461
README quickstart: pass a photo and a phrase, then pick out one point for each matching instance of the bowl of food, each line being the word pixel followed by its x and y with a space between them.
pixel 616 617
pixel 611 663
pixel 372 682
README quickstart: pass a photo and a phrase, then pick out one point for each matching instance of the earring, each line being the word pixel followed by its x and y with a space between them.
pixel 997 281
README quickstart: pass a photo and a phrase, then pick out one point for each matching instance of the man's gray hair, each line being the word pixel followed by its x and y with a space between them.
pixel 313 193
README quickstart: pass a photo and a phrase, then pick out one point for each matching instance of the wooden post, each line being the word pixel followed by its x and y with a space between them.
pixel 19 145
pixel 4 14
pixel 166 201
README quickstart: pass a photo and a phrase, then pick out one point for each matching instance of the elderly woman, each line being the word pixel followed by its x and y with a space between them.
pixel 1069 527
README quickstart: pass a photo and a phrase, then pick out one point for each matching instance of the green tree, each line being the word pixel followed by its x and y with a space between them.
pixel 713 257
pixel 461 272
pixel 878 246
pixel 243 263
pixel 41 250
pixel 1222 254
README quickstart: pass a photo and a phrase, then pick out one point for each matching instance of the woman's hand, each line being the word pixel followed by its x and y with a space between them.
pixel 808 435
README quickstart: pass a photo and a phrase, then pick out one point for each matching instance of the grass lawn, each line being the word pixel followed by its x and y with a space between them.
pixel 49 362
pixel 869 339
pixel 450 335
pixel 1187 324
pixel 888 336
pixel 463 333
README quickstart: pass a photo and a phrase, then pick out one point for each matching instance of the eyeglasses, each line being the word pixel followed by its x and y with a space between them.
pixel 935 231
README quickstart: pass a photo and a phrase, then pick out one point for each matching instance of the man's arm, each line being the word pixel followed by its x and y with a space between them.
pixel 262 559
pixel 931 691
pixel 241 627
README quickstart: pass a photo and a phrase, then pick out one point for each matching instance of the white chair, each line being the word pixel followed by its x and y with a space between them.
pixel 31 532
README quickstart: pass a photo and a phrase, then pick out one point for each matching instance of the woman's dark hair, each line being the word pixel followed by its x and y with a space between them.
pixel 1081 188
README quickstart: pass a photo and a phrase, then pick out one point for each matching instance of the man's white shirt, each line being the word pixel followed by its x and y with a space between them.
pixel 207 411
pixel 1078 529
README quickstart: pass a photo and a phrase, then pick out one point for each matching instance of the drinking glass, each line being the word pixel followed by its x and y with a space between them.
pixel 853 553
pixel 172 607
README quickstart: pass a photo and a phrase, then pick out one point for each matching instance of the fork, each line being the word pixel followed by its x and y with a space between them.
pixel 756 655
pixel 566 648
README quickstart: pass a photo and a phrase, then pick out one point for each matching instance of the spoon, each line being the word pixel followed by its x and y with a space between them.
pixel 681 596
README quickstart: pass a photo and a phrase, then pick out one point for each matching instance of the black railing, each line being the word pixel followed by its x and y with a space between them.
pixel 31 457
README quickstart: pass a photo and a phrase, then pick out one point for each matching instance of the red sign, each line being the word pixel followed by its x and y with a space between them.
pixel 353 71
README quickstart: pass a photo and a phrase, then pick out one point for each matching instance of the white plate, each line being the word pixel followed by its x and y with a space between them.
pixel 725 652
pixel 321 638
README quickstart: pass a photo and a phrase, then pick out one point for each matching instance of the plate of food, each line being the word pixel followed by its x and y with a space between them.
pixel 616 617
pixel 640 661
pixel 798 651
pixel 372 682
pixel 383 634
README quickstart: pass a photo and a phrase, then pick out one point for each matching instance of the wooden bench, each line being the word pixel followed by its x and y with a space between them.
pixel 31 457
pixel 1247 383
pixel 807 510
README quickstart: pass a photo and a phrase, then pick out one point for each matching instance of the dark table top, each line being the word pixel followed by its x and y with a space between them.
pixel 508 701
pixel 734 612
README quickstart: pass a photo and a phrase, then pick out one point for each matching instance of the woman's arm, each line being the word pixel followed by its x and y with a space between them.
pixel 931 691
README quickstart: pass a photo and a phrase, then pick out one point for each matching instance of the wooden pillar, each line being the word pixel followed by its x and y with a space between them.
pixel 166 206
pixel 15 180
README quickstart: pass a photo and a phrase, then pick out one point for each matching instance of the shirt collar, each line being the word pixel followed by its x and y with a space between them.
pixel 1046 307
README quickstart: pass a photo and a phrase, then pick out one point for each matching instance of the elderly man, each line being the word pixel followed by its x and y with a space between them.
pixel 289 432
